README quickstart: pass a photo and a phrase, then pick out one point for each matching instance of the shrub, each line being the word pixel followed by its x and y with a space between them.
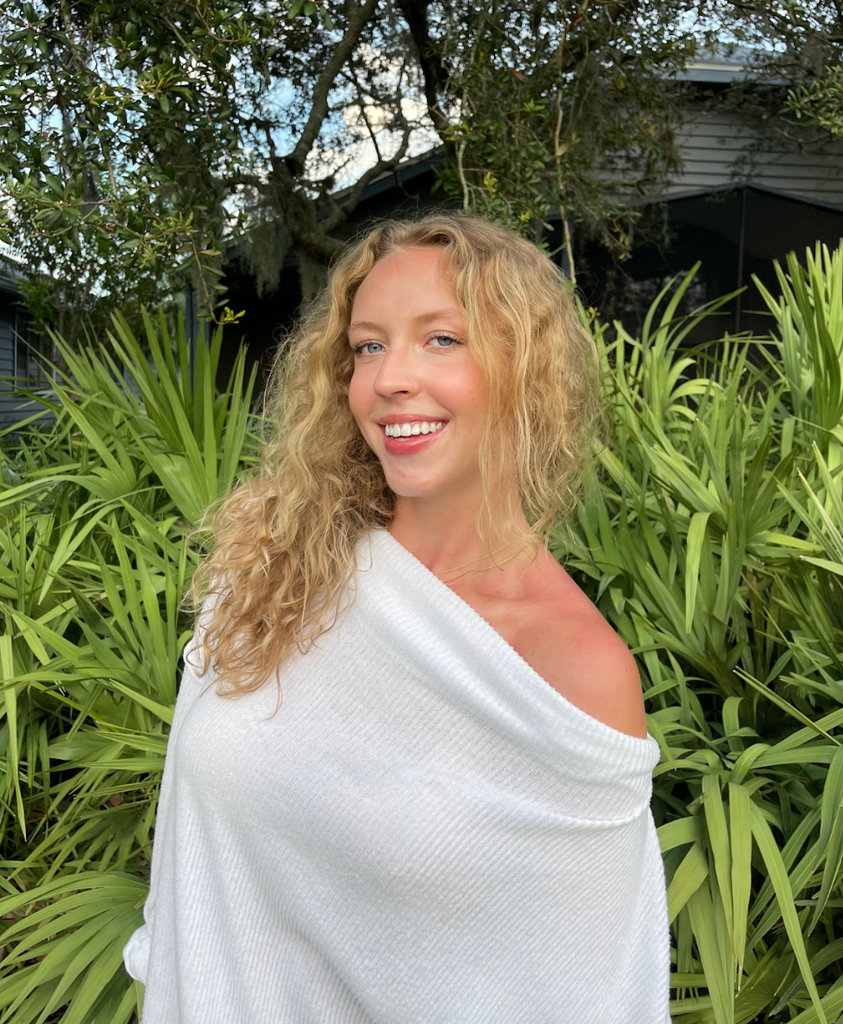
pixel 712 539
pixel 96 518
pixel 710 535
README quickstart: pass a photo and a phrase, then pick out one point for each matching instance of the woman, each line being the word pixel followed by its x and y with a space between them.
pixel 428 803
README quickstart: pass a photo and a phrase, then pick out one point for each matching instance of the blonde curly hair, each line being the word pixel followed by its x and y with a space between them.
pixel 285 540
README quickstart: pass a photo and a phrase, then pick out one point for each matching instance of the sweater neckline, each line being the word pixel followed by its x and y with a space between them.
pixel 500 648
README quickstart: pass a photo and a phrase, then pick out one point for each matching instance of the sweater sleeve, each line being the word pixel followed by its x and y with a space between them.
pixel 193 682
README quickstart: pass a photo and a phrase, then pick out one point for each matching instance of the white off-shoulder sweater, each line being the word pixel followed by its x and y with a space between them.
pixel 424 833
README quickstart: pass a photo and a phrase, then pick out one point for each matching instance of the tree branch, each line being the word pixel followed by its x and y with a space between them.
pixel 361 100
pixel 578 45
pixel 434 72
pixel 341 212
pixel 357 20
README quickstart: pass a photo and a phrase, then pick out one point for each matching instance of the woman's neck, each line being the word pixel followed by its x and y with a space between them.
pixel 446 538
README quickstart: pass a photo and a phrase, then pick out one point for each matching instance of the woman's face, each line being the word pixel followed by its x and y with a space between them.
pixel 417 393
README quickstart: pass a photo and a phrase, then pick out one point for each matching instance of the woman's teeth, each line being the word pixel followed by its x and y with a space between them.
pixel 409 429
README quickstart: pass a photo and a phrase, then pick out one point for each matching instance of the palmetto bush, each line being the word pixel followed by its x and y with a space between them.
pixel 713 541
pixel 711 535
pixel 97 513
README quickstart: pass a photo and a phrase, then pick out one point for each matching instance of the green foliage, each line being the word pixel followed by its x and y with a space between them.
pixel 713 541
pixel 97 514
pixel 564 110
pixel 138 140
pixel 821 101
pixel 115 124
pixel 712 538
pixel 798 44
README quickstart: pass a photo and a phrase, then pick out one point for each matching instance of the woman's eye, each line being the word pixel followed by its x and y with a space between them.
pixel 367 348
pixel 445 341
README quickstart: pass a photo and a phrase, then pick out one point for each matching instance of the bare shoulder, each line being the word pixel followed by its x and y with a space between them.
pixel 569 643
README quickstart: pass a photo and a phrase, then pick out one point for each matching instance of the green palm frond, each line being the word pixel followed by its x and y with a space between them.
pixel 97 517
pixel 710 534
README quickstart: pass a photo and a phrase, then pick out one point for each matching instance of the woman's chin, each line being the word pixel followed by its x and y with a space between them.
pixel 460 489
pixel 410 489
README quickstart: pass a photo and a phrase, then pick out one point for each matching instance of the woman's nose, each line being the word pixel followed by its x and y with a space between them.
pixel 397 373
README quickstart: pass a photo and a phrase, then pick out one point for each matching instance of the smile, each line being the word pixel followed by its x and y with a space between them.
pixel 412 429
pixel 409 439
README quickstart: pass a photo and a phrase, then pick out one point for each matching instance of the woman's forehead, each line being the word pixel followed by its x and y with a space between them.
pixel 417 276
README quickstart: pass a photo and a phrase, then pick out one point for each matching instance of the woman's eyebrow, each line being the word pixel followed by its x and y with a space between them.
pixel 453 315
pixel 440 314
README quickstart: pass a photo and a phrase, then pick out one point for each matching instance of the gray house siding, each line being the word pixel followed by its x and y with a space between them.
pixel 719 148
pixel 7 344
pixel 9 406
pixel 13 409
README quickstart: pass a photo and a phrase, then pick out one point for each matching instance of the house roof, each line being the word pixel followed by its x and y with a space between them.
pixel 727 66
pixel 10 266
pixel 409 168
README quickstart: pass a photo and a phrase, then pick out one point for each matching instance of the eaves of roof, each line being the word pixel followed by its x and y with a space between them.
pixel 727 67
pixel 408 169
pixel 9 281
pixel 735 187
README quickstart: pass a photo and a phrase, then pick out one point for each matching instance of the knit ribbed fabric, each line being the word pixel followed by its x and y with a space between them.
pixel 424 833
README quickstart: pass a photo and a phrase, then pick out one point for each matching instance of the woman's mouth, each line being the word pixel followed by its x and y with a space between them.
pixel 413 437
pixel 413 429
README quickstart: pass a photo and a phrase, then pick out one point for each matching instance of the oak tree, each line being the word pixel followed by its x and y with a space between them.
pixel 137 140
